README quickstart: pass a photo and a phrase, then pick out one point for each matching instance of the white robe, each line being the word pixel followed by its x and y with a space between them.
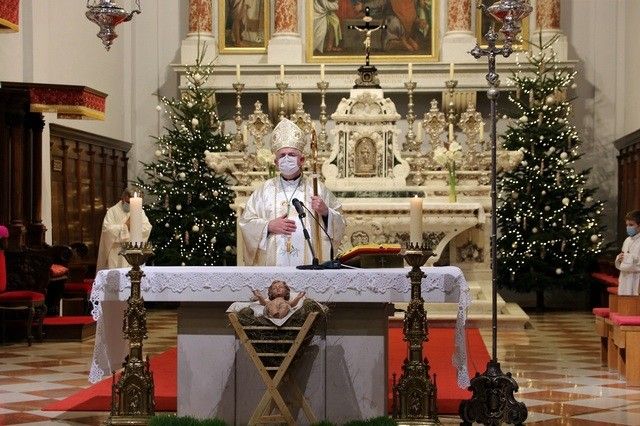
pixel 272 200
pixel 629 280
pixel 325 19
pixel 115 232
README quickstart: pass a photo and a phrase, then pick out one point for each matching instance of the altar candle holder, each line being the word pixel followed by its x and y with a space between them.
pixel 414 395
pixel 238 140
pixel 282 88
pixel 323 144
pixel 132 396
pixel 410 144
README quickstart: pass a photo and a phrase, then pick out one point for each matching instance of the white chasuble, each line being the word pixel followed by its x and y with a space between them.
pixel 272 200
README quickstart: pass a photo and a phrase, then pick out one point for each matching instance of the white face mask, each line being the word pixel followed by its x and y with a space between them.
pixel 288 165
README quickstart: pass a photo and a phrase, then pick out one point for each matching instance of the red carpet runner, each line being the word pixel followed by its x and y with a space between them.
pixel 439 350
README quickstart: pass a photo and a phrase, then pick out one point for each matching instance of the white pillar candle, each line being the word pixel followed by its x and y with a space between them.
pixel 419 131
pixel 321 72
pixel 451 71
pixel 450 132
pixel 135 216
pixel 415 220
pixel 481 131
pixel 238 73
pixel 410 71
pixel 282 73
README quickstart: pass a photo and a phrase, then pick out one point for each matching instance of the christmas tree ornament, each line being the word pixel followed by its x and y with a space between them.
pixel 547 208
pixel 574 231
pixel 589 199
pixel 186 237
pixel 543 192
pixel 550 100
pixel 158 153
pixel 534 230
pixel 228 249
pixel 213 240
pixel 558 271
pixel 564 155
pixel 523 119
pixel 195 228
pixel 166 225
pixel 194 122
pixel 178 207
pixel 566 201
pixel 182 175
pixel 215 193
pixel 158 108
pixel 594 238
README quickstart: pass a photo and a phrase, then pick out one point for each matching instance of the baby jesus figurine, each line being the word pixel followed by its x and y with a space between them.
pixel 278 305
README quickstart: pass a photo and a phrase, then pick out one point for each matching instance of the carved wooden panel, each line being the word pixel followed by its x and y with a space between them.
pixel 628 178
pixel 88 174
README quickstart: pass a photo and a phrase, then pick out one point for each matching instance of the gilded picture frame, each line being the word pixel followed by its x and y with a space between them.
pixel 482 27
pixel 243 26
pixel 411 35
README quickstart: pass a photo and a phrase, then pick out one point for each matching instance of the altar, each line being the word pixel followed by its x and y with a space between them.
pixel 343 372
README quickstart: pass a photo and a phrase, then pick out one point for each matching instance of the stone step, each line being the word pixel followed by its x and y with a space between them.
pixel 510 315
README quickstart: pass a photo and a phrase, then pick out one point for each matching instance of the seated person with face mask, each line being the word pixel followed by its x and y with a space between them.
pixel 628 260
pixel 270 225
pixel 115 230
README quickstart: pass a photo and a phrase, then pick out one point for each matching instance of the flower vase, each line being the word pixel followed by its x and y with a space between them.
pixel 453 180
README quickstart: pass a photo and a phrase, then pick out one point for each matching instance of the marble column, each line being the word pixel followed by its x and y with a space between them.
pixel 458 39
pixel 548 24
pixel 285 46
pixel 200 28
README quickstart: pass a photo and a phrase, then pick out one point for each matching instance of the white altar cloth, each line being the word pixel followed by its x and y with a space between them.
pixel 111 289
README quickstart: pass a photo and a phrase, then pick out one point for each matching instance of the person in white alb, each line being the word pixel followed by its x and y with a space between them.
pixel 270 226
pixel 628 261
pixel 115 230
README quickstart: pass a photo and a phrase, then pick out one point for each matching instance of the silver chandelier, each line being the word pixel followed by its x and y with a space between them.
pixel 107 14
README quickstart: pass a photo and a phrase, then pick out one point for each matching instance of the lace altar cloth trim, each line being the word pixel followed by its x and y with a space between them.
pixel 222 283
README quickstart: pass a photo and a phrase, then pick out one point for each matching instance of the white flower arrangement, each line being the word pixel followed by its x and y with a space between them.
pixel 266 159
pixel 218 162
pixel 447 157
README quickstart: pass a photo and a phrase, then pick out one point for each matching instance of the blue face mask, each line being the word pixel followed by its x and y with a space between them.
pixel 631 231
pixel 125 207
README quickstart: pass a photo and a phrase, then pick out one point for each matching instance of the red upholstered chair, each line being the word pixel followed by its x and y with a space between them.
pixel 23 282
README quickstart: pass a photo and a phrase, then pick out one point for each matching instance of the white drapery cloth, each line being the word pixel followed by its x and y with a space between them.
pixel 229 284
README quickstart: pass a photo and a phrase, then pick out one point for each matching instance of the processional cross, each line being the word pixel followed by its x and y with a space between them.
pixel 367 28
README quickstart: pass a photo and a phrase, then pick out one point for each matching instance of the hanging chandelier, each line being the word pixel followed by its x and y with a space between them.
pixel 107 14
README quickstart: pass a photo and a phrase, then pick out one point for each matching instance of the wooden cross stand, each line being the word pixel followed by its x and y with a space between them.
pixel 273 376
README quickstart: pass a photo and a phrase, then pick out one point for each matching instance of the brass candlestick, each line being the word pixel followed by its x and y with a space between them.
pixel 414 395
pixel 132 398
pixel 410 144
pixel 238 140
pixel 323 144
pixel 282 87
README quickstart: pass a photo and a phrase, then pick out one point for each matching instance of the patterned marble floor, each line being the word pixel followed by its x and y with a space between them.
pixel 555 362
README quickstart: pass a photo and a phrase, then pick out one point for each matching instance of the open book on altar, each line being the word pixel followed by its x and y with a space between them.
pixel 373 256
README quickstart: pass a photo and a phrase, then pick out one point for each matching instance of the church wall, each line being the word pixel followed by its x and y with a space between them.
pixel 632 65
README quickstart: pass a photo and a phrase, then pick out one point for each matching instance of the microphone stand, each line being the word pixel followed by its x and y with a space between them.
pixel 331 263
pixel 314 263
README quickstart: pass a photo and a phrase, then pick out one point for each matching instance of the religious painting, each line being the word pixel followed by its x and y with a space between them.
pixel 243 26
pixel 483 22
pixel 407 30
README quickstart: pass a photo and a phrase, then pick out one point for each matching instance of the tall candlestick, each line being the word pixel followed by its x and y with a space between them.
pixel 282 73
pixel 321 72
pixel 238 73
pixel 451 71
pixel 450 132
pixel 415 220
pixel 410 71
pixel 135 217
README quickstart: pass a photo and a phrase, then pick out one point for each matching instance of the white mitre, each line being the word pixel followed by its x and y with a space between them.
pixel 287 135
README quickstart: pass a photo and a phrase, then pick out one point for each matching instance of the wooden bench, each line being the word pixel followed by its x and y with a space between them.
pixel 602 330
pixel 626 338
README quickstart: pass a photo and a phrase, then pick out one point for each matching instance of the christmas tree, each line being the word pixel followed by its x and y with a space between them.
pixel 548 219
pixel 192 221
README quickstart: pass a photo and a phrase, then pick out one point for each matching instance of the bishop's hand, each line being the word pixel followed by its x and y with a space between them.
pixel 318 204
pixel 281 225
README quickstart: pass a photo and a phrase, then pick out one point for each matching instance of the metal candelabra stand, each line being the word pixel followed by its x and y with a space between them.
pixel 415 394
pixel 132 397
pixel 493 402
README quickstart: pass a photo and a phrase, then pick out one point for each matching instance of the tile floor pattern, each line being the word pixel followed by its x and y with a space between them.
pixel 555 362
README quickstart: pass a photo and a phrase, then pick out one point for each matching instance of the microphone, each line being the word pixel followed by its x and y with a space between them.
pixel 301 214
pixel 297 204
pixel 331 263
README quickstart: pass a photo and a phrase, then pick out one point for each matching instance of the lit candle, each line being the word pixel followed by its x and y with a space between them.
pixel 321 72
pixel 451 71
pixel 410 71
pixel 415 220
pixel 450 132
pixel 238 73
pixel 245 133
pixel 282 73
pixel 481 131
pixel 135 217
pixel 419 131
